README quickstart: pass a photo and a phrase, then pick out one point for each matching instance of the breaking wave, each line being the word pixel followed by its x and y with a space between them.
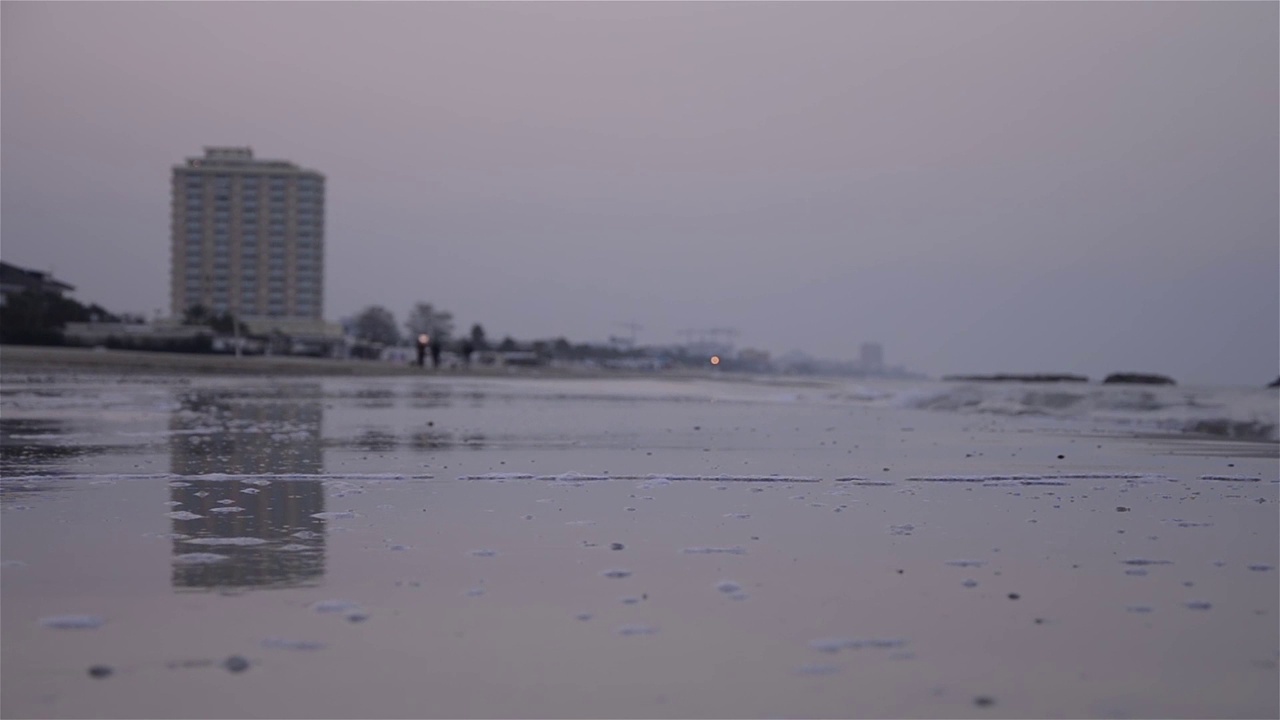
pixel 1232 413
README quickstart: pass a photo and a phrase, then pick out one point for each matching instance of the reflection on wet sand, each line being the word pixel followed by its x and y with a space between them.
pixel 247 532
pixel 30 444
pixel 221 431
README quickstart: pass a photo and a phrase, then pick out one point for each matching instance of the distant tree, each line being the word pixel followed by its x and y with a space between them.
pixel 424 318
pixel 39 317
pixel 376 324
pixel 562 348
pixel 508 344
pixel 478 341
pixel 220 322
pixel 196 315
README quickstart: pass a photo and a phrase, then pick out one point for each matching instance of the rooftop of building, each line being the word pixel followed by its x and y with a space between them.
pixel 231 158
pixel 16 279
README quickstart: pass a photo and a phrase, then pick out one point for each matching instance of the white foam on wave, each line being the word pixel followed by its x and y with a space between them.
pixel 1033 479
pixel 278 643
pixel 73 622
pixel 199 558
pixel 339 515
pixel 735 550
pixel 183 515
pixel 235 541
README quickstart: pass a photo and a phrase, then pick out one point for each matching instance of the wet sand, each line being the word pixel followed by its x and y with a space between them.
pixel 405 547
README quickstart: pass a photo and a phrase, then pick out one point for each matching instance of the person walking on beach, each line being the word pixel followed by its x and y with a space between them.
pixel 422 349
pixel 435 353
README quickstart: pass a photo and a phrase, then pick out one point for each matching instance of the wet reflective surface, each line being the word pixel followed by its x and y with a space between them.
pixel 439 547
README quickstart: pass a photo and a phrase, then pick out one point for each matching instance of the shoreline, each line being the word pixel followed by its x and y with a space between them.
pixel 28 358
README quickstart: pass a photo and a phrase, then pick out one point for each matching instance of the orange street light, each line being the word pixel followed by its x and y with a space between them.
pixel 423 339
pixel 715 359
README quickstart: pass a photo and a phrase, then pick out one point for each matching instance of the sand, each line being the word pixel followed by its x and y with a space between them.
pixel 485 547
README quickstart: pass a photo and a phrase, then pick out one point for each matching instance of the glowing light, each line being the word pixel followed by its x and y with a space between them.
pixel 715 359
pixel 423 339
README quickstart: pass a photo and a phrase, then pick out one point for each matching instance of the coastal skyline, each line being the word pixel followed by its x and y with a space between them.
pixel 978 187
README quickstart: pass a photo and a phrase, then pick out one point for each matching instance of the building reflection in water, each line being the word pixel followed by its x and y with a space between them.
pixel 253 527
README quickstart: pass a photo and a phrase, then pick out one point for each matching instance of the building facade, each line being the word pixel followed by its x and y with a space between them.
pixel 248 238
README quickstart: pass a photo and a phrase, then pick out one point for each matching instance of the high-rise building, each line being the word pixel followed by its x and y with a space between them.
pixel 248 237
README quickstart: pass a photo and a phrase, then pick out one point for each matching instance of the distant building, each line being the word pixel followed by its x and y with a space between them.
pixel 248 238
pixel 15 280
pixel 871 357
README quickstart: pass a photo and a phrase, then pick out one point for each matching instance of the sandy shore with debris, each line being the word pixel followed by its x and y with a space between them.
pixel 480 547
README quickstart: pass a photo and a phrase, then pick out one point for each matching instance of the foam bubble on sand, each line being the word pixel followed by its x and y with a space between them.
pixel 497 476
pixel 1144 561
pixel 735 550
pixel 483 553
pixel 227 510
pixel 728 587
pixel 277 643
pixel 901 529
pixel 1231 478
pixel 475 592
pixel 1031 479
pixel 12 563
pixel 183 515
pixel 628 630
pixel 737 516
pixel 72 622
pixel 1140 609
pixel 1198 605
pixel 616 574
pixel 199 558
pixel 585 616
pixel 836 644
pixel 966 563
pixel 341 515
pixel 1259 568
pixel 818 669
pixel 241 541
pixel 334 606
pixel 577 523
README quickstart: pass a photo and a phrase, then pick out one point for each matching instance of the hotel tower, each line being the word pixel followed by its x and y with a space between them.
pixel 248 237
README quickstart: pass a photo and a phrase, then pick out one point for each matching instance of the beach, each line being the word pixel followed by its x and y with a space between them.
pixel 306 543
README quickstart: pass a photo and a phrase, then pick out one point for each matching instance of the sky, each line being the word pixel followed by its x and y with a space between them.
pixel 980 187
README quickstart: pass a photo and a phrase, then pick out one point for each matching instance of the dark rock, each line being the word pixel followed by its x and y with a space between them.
pixel 984 701
pixel 236 664
pixel 1275 383
pixel 100 671
pixel 1137 379
pixel 616 546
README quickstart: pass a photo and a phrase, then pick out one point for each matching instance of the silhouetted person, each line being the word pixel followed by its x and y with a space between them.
pixel 422 350
pixel 435 353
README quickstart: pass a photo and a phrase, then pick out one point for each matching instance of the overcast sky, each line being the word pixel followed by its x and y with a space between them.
pixel 982 187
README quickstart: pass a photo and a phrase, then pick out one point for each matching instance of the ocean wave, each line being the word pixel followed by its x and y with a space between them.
pixel 1247 414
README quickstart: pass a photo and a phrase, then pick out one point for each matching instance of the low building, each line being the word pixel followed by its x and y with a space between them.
pixel 16 280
